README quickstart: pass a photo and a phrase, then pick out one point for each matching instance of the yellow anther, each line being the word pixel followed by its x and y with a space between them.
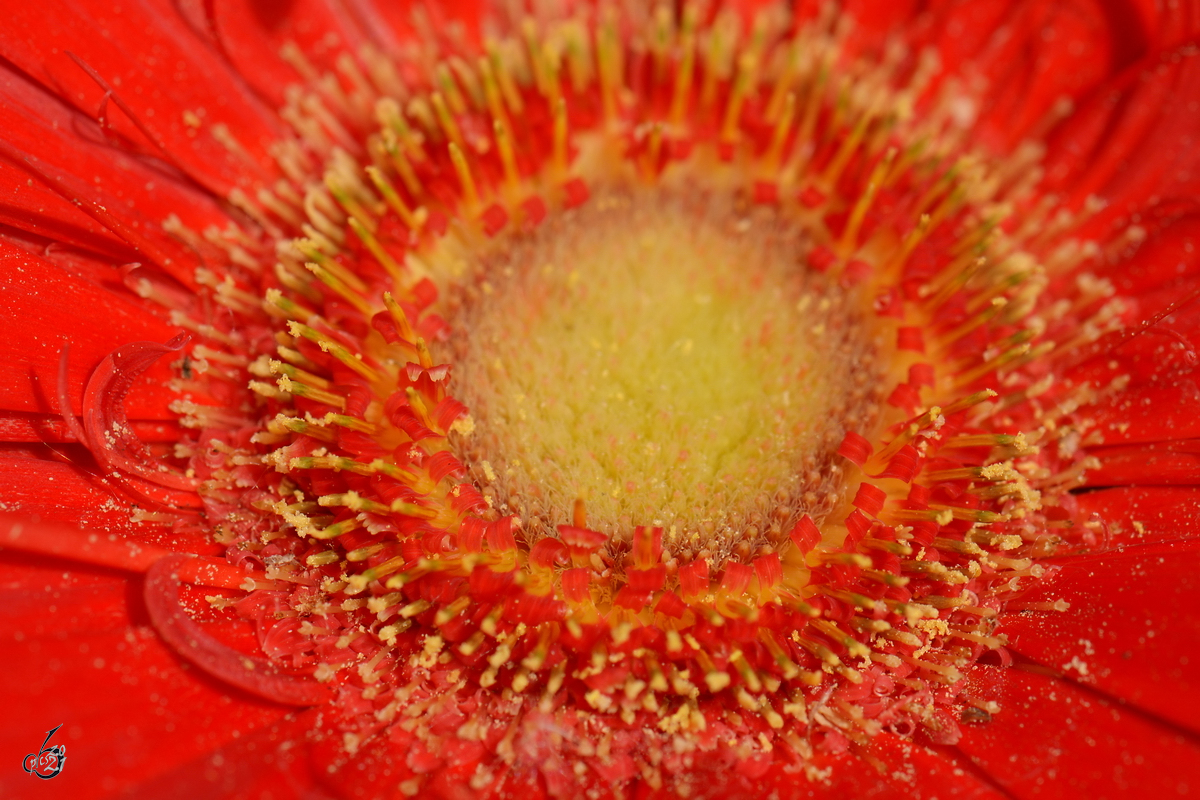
pixel 413 220
pixel 289 308
pixel 448 89
pixel 348 201
pixel 741 88
pixel 300 426
pixel 335 530
pixel 504 79
pixel 446 120
pixel 560 136
pixel 463 169
pixel 492 92
pixel 400 162
pixel 340 273
pixel 783 126
pixel 377 250
pixel 339 351
pixel 352 501
pixel 298 389
pixel 351 423
pixel 850 145
pixel 783 84
pixel 858 214
pixel 400 318
pixel 610 58
pixel 685 73
pixel 508 157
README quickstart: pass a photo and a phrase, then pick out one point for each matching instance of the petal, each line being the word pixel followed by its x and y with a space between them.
pixel 1030 54
pixel 252 36
pixel 1136 515
pixel 1171 463
pixel 905 769
pixel 43 309
pixel 200 83
pixel 1131 143
pixel 55 492
pixel 1030 74
pixel 28 205
pixel 1150 413
pixel 70 185
pixel 1178 23
pixel 1123 633
pixel 1170 252
pixel 392 25
pixel 1154 359
pixel 22 426
pixel 235 668
pixel 1027 65
pixel 1055 739
pixel 270 761
pixel 118 544
pixel 130 710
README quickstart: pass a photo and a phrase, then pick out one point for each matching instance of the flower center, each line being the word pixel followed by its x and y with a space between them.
pixel 667 357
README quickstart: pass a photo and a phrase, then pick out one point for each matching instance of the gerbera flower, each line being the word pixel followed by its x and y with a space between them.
pixel 601 402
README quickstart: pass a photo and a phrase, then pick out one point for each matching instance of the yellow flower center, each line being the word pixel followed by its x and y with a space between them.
pixel 666 356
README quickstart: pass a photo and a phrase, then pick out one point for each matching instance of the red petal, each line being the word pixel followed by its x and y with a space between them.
pixel 253 34
pixel 55 492
pixel 249 673
pixel 104 418
pixel 888 768
pixel 70 509
pixel 1150 414
pixel 1131 145
pixel 919 772
pixel 1030 53
pixel 131 553
pixel 1170 252
pixel 168 54
pixel 1124 633
pixel 42 308
pixel 271 761
pixel 1165 156
pixel 20 426
pixel 1136 515
pixel 30 205
pixel 1054 739
pixel 1178 23
pixel 138 193
pixel 74 653
pixel 1162 464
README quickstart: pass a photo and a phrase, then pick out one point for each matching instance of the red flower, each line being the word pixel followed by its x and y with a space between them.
pixel 312 587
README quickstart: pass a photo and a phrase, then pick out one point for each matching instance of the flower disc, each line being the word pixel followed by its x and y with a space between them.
pixel 668 358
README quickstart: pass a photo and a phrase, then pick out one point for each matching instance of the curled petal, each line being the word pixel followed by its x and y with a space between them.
pixel 254 675
pixel 105 424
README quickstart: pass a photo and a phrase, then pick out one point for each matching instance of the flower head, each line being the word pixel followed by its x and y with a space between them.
pixel 637 402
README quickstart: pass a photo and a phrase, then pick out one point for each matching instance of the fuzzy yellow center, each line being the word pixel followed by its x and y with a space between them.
pixel 666 357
